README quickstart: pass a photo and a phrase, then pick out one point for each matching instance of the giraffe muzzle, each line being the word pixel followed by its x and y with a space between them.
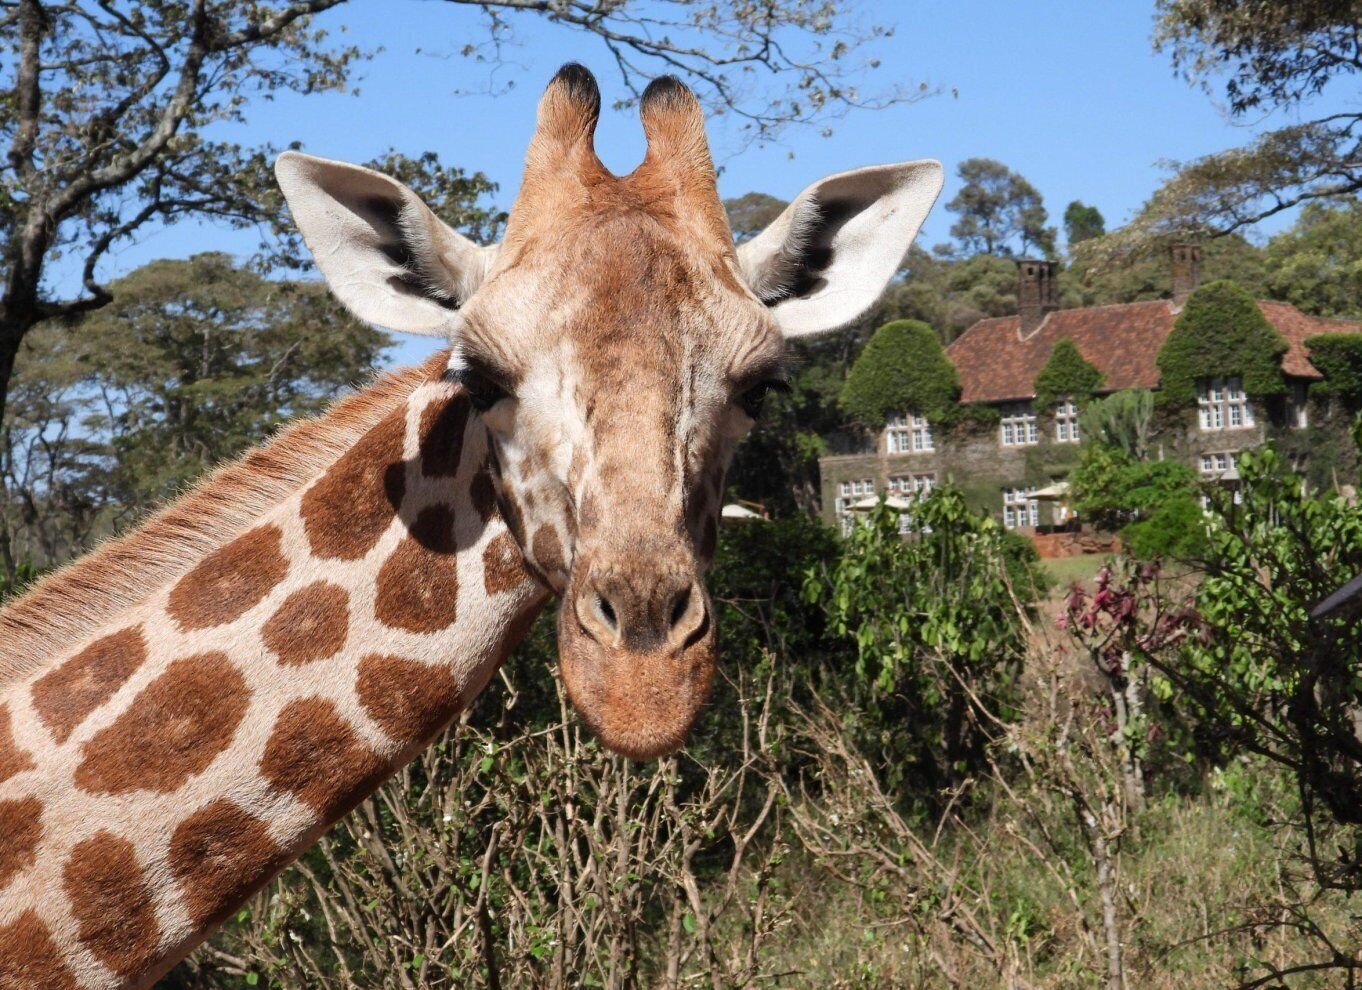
pixel 638 654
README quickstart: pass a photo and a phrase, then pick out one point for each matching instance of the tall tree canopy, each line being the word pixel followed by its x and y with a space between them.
pixel 1261 56
pixel 190 363
pixel 999 211
pixel 1082 223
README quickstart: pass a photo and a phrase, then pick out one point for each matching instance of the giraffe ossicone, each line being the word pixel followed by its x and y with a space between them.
pixel 184 711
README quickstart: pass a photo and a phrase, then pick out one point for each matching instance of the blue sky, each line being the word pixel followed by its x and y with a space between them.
pixel 1067 92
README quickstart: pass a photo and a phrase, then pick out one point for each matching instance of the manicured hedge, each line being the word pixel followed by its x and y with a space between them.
pixel 1220 333
pixel 903 369
pixel 1066 375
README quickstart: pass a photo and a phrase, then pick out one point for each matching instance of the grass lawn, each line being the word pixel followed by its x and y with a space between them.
pixel 1064 571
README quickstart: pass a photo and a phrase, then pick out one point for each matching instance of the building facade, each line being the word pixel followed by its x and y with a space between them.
pixel 1012 450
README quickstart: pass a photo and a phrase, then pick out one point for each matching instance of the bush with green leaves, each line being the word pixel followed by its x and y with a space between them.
pixel 1124 420
pixel 938 633
pixel 1338 357
pixel 1066 375
pixel 1220 333
pixel 903 369
pixel 1154 505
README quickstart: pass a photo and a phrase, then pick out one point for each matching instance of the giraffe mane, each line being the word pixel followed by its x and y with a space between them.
pixel 67 606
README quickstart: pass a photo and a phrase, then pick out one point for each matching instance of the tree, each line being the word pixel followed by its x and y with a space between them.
pixel 1123 420
pixel 1066 375
pixel 1220 333
pixel 1317 264
pixel 109 108
pixel 1264 56
pixel 1152 504
pixel 997 207
pixel 1082 223
pixel 190 363
pixel 1112 269
pixel 752 213
pixel 903 369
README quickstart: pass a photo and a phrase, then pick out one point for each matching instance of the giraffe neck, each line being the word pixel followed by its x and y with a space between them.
pixel 158 769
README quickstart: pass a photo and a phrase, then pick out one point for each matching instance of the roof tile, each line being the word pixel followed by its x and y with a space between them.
pixel 1123 340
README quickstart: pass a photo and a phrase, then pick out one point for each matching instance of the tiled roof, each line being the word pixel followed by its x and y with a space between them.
pixel 996 365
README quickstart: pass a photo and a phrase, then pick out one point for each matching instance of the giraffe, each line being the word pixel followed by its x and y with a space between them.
pixel 185 711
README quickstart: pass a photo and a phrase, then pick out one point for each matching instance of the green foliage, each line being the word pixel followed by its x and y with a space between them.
pixel 1066 375
pixel 1221 332
pixel 1123 420
pixel 938 636
pixel 1105 270
pixel 1316 265
pixel 1338 357
pixel 1153 504
pixel 902 369
pixel 997 207
pixel 200 359
pixel 751 213
pixel 1082 223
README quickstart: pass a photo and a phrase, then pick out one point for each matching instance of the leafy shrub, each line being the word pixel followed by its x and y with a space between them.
pixel 1153 504
pixel 1124 420
pixel 902 369
pixel 939 639
pixel 1066 375
pixel 1338 357
pixel 1221 332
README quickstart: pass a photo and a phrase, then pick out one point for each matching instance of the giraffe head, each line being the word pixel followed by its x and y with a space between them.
pixel 616 344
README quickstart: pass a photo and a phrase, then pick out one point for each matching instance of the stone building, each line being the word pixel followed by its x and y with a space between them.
pixel 1003 457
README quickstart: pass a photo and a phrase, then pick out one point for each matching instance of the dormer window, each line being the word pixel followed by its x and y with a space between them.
pixel 909 434
pixel 1222 404
pixel 1066 422
pixel 1018 428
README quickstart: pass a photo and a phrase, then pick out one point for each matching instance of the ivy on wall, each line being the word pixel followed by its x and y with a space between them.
pixel 1067 374
pixel 1220 333
pixel 903 369
pixel 1338 357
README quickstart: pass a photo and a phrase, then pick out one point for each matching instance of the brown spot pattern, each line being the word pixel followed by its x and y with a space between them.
pixel 408 699
pixel 172 730
pixel 503 566
pixel 65 696
pixel 21 826
pixel 29 959
pixel 13 760
pixel 442 427
pixel 484 494
pixel 112 903
pixel 350 506
pixel 311 624
pixel 548 552
pixel 219 856
pixel 418 585
pixel 229 581
pixel 314 754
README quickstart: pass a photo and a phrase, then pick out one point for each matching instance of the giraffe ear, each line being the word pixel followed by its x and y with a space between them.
pixel 826 259
pixel 384 254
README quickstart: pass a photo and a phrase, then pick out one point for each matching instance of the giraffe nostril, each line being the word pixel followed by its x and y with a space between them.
pixel 679 607
pixel 607 612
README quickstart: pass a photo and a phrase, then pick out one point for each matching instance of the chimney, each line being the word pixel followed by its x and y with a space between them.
pixel 1037 293
pixel 1185 261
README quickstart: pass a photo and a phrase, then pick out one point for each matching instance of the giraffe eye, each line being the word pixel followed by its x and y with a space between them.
pixel 483 393
pixel 754 398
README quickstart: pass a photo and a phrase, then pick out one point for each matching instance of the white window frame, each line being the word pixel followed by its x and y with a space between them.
pixel 911 487
pixel 1020 509
pixel 1216 462
pixel 849 492
pixel 1066 422
pixel 908 433
pixel 1018 427
pixel 1223 405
